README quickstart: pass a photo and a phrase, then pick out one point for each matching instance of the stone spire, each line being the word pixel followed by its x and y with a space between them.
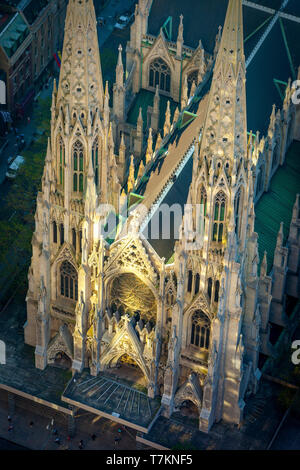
pixel 184 93
pixel 80 82
pixel 155 111
pixel 224 136
pixel 167 124
pixel 130 181
pixel 91 192
pixel 138 141
pixel 149 150
pixel 119 89
pixel 264 266
pixel 141 169
pixel 180 38
pixel 295 215
pixel 158 142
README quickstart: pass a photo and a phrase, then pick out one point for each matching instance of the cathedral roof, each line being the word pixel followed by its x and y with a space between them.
pixel 271 63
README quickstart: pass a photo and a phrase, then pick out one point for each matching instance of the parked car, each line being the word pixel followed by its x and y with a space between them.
pixel 13 168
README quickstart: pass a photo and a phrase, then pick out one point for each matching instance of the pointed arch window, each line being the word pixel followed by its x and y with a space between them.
pixel 276 154
pixel 78 166
pixel 238 210
pixel 217 288
pixel 160 74
pixel 202 198
pixel 68 281
pixel 74 238
pixel 209 287
pixel 61 234
pixel 260 179
pixel 192 77
pixel 190 281
pixel 61 150
pixel 54 227
pixel 200 331
pixel 219 217
pixel 95 160
pixel 197 283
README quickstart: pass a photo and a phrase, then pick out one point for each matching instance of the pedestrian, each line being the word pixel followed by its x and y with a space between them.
pixel 57 441
pixel 31 424
pixel 93 437
pixel 54 432
pixel 80 445
pixel 10 427
pixel 9 418
pixel 117 440
pixel 28 119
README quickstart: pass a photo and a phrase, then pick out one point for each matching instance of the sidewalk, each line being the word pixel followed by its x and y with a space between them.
pixel 38 437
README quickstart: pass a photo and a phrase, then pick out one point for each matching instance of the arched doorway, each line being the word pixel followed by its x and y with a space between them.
pixel 189 409
pixel 62 361
pixel 129 294
pixel 127 369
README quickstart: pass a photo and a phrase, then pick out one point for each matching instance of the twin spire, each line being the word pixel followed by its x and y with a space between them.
pixel 225 129
pixel 80 83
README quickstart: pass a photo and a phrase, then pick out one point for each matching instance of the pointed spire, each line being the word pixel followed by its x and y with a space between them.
pixel 184 93
pixel 141 169
pixel 81 44
pixel 155 110
pixel 176 115
pixel 280 236
pixel 180 37
pixel 149 150
pixel 264 266
pixel 167 124
pixel 229 67
pixel 296 208
pixel 193 89
pixel 158 142
pixel 119 68
pixel 131 180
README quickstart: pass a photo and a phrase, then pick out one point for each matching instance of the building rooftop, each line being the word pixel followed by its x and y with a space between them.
pixel 13 34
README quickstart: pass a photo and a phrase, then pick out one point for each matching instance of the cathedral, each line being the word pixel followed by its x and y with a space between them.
pixel 192 311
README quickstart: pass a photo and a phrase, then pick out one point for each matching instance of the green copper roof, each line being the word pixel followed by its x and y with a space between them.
pixel 277 204
pixel 144 99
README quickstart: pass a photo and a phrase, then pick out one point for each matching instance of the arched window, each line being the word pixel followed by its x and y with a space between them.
pixel 209 287
pixel 192 77
pixel 200 331
pixel 238 210
pixel 78 166
pixel 68 281
pixel 219 217
pixel 61 165
pixel 74 238
pixel 80 240
pixel 197 283
pixel 276 154
pixel 260 180
pixel 61 234
pixel 95 160
pixel 190 281
pixel 217 288
pixel 202 200
pixel 160 74
pixel 54 226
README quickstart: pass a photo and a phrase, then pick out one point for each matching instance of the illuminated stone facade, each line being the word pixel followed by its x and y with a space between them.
pixel 203 317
